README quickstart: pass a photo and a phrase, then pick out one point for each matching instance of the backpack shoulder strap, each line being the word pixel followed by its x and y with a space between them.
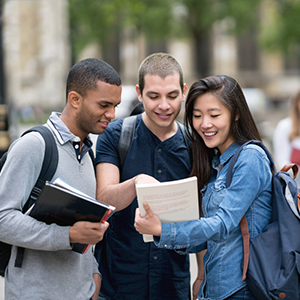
pixel 243 223
pixel 183 130
pixel 48 169
pixel 236 155
pixel 49 163
pixel 127 133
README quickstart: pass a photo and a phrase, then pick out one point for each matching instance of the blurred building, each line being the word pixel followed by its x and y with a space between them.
pixel 37 59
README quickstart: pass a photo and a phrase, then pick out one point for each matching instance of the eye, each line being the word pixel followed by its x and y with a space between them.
pixel 196 116
pixel 173 96
pixel 103 105
pixel 215 116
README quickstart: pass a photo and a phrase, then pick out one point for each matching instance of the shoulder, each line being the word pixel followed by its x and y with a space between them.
pixel 253 149
pixel 112 131
pixel 115 125
pixel 31 142
pixel 284 124
pixel 253 157
pixel 26 154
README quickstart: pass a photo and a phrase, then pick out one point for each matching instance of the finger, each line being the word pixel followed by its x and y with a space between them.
pixel 147 209
pixel 104 225
pixel 137 216
pixel 137 213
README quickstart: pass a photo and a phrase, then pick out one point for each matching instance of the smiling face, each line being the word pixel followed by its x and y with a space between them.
pixel 162 98
pixel 97 108
pixel 211 119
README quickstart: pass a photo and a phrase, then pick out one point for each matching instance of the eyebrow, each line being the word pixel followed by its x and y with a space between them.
pixel 211 109
pixel 177 91
pixel 107 102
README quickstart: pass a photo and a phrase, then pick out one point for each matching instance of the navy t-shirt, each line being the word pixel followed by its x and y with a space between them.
pixel 132 269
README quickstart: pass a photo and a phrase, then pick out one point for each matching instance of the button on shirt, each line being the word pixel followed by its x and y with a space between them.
pixel 132 269
pixel 64 135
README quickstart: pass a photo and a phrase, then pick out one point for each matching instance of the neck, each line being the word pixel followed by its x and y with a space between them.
pixel 163 133
pixel 69 122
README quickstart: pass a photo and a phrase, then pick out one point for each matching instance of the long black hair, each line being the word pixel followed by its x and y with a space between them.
pixel 230 94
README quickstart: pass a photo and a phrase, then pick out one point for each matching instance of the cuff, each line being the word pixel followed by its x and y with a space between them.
pixel 167 238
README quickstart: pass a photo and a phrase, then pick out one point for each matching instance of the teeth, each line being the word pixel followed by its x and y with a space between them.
pixel 210 133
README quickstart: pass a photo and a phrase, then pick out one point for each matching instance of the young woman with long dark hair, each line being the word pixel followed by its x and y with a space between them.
pixel 220 122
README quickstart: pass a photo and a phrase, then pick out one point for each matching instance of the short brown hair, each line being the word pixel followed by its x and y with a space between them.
pixel 161 64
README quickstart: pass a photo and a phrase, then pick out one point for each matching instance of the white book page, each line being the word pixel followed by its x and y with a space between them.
pixel 172 201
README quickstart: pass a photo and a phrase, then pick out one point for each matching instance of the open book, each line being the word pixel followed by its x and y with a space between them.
pixel 172 201
pixel 64 205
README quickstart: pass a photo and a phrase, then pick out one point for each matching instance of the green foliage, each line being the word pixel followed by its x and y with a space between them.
pixel 104 20
pixel 202 14
pixel 282 33
pixel 98 21
pixel 93 21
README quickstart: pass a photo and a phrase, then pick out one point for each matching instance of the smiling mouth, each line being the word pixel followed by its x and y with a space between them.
pixel 163 115
pixel 104 122
pixel 209 134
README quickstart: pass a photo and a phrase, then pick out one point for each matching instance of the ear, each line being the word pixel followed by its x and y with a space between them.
pixel 74 99
pixel 237 117
pixel 139 94
pixel 184 92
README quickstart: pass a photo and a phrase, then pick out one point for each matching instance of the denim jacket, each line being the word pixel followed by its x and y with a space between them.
pixel 218 230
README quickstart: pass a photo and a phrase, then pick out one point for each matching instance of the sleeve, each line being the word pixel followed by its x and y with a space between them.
pixel 107 144
pixel 95 266
pixel 281 143
pixel 18 176
pixel 192 235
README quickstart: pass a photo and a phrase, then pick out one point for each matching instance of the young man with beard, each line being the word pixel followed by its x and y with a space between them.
pixel 93 91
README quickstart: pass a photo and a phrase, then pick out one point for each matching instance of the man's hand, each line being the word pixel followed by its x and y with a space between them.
pixel 149 224
pixel 97 279
pixel 143 178
pixel 87 232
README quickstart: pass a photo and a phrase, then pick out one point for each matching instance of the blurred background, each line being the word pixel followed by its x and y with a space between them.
pixel 256 42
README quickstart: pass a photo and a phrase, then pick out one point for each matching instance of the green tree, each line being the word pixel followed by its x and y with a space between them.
pixel 201 15
pixel 104 22
pixel 282 33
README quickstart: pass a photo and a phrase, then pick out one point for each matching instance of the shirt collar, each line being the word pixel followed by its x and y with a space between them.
pixel 63 133
pixel 227 154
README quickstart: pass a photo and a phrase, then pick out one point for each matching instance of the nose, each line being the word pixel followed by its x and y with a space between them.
pixel 206 123
pixel 164 104
pixel 110 113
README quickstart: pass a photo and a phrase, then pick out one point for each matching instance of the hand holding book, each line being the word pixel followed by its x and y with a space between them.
pixel 171 201
pixel 87 232
pixel 149 224
pixel 65 205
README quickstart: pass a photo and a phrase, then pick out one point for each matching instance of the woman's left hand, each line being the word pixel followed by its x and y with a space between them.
pixel 149 224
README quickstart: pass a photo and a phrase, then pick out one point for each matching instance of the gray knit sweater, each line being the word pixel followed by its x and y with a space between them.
pixel 50 269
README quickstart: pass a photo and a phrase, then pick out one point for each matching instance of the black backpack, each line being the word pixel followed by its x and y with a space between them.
pixel 48 169
pixel 272 259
